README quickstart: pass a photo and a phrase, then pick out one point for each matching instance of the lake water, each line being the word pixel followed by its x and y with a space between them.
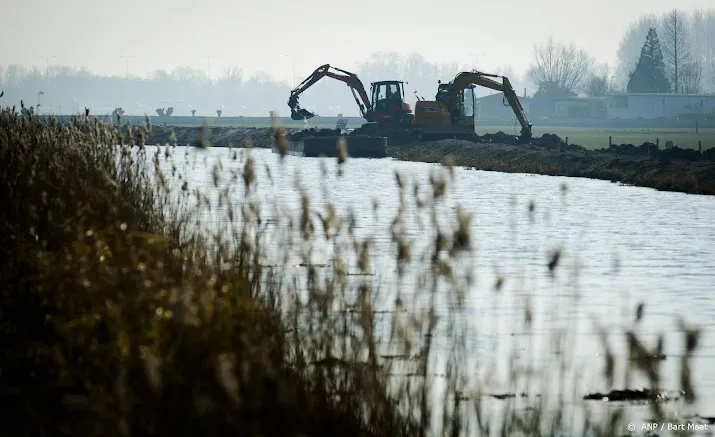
pixel 620 245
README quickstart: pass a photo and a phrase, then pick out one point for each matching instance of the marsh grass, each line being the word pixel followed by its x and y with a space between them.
pixel 123 315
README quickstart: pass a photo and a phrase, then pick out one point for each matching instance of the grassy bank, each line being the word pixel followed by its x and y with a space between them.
pixel 121 317
pixel 597 138
pixel 660 172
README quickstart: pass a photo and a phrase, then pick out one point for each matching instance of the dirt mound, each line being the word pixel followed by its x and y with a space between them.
pixel 499 138
pixel 687 154
pixel 651 150
pixel 406 137
pixel 555 142
pixel 645 149
pixel 547 141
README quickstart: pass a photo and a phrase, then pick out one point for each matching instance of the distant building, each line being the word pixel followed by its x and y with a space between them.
pixel 580 108
pixel 492 107
pixel 654 106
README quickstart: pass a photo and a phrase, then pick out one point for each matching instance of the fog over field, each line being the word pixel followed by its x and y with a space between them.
pixel 158 55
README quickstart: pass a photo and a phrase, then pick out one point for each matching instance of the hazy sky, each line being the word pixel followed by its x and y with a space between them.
pixel 268 34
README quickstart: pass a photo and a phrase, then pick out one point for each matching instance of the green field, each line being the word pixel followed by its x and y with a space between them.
pixel 596 138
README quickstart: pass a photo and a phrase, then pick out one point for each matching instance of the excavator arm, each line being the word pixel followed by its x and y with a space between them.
pixel 350 79
pixel 464 79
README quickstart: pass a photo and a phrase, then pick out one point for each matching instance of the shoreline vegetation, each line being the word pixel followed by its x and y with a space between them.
pixel 646 165
pixel 120 317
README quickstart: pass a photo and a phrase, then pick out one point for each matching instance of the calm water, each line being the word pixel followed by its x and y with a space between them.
pixel 620 246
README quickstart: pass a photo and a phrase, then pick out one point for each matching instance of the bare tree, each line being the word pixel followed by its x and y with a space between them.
pixel 691 79
pixel 698 33
pixel 232 74
pixel 599 81
pixel 676 52
pixel 709 51
pixel 596 86
pixel 559 66
pixel 630 46
pixel 518 81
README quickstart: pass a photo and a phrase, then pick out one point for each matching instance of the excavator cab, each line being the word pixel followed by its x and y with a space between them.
pixel 455 103
pixel 386 104
pixel 388 101
pixel 442 91
pixel 462 113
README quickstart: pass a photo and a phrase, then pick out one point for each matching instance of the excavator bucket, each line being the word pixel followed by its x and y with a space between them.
pixel 301 114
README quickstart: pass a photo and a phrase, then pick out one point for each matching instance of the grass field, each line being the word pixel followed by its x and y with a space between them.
pixel 596 138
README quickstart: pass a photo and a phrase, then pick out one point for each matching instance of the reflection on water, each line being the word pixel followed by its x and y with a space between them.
pixel 619 246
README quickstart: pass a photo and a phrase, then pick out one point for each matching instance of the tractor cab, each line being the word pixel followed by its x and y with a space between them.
pixel 388 101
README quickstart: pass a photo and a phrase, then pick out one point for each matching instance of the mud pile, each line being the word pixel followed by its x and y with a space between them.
pixel 647 149
pixel 497 138
pixel 651 150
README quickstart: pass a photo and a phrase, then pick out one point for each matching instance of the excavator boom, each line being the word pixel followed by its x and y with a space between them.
pixel 464 79
pixel 350 79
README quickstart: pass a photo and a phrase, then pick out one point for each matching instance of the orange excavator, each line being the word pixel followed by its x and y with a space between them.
pixel 386 105
pixel 447 115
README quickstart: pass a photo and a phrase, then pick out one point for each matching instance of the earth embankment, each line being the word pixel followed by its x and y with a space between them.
pixel 217 136
pixel 679 170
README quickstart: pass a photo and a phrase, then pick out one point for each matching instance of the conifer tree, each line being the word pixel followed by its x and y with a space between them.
pixel 649 75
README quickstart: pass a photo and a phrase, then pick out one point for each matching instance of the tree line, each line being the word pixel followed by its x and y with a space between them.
pixel 684 43
pixel 681 60
pixel 188 91
pixel 679 45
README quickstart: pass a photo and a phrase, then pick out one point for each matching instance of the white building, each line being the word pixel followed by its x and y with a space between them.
pixel 653 106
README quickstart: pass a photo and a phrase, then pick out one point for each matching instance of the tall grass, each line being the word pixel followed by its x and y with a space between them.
pixel 122 315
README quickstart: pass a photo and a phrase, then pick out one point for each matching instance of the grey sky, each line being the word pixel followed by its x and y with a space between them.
pixel 266 34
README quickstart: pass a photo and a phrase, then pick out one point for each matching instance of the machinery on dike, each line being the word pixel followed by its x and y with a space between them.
pixel 390 118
